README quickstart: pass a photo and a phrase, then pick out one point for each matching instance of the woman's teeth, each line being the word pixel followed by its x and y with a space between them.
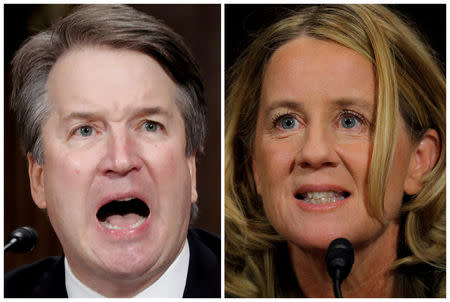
pixel 322 197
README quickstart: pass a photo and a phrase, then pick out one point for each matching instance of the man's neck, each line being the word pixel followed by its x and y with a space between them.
pixel 371 275
pixel 170 283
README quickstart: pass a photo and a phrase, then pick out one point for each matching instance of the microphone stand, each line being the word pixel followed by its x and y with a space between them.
pixel 337 288
pixel 339 260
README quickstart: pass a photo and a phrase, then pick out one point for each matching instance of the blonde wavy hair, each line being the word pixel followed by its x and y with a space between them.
pixel 409 85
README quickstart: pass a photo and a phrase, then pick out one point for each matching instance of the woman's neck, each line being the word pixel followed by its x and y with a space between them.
pixel 371 275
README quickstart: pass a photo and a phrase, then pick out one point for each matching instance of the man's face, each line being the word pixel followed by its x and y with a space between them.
pixel 116 181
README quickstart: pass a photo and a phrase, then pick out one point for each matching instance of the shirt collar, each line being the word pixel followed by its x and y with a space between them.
pixel 170 285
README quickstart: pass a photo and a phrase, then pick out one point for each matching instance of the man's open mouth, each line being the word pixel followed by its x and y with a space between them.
pixel 322 197
pixel 128 213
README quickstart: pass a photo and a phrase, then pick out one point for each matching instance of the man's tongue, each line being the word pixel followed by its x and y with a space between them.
pixel 123 221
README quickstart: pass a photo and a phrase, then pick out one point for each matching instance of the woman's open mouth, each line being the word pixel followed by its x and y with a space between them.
pixel 127 213
pixel 322 197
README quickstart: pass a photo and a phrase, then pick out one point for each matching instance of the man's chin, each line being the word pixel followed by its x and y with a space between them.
pixel 128 266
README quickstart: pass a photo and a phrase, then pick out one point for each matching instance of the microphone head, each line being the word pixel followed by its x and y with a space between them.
pixel 340 258
pixel 26 239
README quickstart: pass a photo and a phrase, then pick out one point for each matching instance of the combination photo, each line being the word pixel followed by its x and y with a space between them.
pixel 224 150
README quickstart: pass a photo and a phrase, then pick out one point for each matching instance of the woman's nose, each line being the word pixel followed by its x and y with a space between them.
pixel 121 156
pixel 317 149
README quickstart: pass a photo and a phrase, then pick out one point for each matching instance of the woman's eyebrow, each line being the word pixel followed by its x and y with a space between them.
pixel 355 103
pixel 338 103
pixel 283 104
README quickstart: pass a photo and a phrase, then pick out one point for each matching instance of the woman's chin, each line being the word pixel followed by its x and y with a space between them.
pixel 318 238
pixel 317 243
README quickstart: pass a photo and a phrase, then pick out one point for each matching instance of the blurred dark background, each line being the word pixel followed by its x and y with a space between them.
pixel 243 21
pixel 200 27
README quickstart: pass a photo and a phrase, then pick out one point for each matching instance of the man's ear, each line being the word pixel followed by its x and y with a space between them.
pixel 424 157
pixel 193 173
pixel 36 175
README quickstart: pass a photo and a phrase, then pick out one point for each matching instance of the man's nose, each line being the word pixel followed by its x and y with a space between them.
pixel 121 155
pixel 317 148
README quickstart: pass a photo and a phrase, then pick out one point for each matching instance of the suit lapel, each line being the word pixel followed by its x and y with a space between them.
pixel 203 279
pixel 52 283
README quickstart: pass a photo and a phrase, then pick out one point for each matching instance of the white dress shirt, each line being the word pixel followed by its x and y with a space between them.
pixel 170 285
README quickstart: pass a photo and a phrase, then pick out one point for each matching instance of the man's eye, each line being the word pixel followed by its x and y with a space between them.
pixel 85 131
pixel 151 126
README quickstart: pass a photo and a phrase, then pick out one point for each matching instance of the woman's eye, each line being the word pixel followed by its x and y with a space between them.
pixel 85 131
pixel 288 122
pixel 151 126
pixel 349 122
pixel 285 121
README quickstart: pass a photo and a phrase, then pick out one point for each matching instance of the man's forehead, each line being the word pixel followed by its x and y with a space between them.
pixel 106 65
pixel 97 79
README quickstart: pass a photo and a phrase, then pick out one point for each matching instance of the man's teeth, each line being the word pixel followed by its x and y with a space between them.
pixel 115 227
pixel 322 197
pixel 126 199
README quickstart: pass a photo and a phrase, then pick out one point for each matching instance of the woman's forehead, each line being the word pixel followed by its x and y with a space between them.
pixel 307 68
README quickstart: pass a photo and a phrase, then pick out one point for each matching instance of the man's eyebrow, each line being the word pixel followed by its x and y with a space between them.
pixel 150 111
pixel 140 112
pixel 80 115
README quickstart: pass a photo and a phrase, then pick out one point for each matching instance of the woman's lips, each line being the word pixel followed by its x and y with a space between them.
pixel 321 197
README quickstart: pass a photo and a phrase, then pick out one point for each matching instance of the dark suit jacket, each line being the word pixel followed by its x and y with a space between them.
pixel 46 279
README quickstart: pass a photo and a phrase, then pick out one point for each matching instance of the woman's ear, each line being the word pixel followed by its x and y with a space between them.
pixel 424 157
pixel 36 175
pixel 255 174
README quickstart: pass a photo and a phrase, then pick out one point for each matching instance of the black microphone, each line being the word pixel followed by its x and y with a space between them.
pixel 339 258
pixel 22 240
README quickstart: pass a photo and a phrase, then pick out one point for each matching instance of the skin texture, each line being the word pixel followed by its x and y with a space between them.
pixel 115 131
pixel 314 133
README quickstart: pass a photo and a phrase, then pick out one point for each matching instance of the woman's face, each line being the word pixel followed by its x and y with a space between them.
pixel 313 144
